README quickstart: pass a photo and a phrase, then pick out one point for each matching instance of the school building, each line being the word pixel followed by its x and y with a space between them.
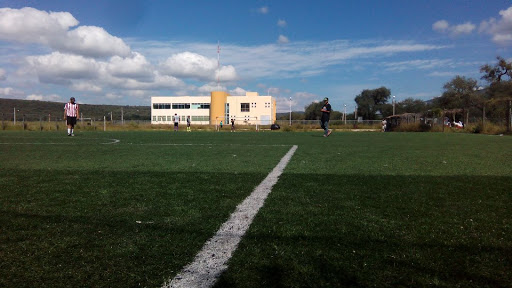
pixel 250 109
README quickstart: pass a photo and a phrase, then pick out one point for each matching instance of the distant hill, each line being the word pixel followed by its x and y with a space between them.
pixel 33 110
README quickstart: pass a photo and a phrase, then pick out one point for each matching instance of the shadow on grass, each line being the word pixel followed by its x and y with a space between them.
pixel 379 231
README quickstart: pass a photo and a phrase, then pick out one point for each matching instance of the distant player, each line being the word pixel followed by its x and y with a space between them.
pixel 176 119
pixel 71 115
pixel 384 124
pixel 326 113
pixel 188 124
pixel 232 125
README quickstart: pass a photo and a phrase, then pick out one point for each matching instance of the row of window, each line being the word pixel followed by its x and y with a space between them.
pixel 182 118
pixel 181 106
pixel 244 107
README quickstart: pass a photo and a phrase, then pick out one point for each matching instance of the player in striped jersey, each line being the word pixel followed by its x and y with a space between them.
pixel 71 115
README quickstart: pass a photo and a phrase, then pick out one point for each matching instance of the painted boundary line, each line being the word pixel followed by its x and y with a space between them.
pixel 114 141
pixel 212 260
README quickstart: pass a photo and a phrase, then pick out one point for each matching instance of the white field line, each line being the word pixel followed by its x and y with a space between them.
pixel 208 144
pixel 212 260
pixel 114 141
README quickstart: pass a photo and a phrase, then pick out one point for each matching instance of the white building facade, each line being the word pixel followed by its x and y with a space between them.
pixel 250 109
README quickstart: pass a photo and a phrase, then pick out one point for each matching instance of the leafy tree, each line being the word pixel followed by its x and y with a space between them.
pixel 369 102
pixel 459 93
pixel 494 74
pixel 312 111
pixel 411 105
pixel 499 76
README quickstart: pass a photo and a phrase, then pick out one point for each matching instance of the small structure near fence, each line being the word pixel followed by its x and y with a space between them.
pixel 394 121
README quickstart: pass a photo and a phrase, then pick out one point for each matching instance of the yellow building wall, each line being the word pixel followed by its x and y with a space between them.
pixel 217 106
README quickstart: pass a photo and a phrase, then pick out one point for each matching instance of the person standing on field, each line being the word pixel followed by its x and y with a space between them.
pixel 188 124
pixel 232 125
pixel 326 113
pixel 176 119
pixel 71 115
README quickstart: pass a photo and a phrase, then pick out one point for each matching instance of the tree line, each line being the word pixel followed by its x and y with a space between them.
pixel 461 93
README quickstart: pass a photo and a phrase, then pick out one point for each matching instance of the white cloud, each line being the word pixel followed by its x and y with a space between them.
pixel 442 26
pixel 3 74
pixel 193 65
pixel 91 41
pixel 113 96
pixel 29 25
pixel 86 87
pixel 501 30
pixel 51 97
pixel 443 74
pixel 135 66
pixel 281 23
pixel 61 68
pixel 283 39
pixel 207 88
pixel 263 10
pixel 417 65
pixel 237 92
pixel 465 28
pixel 10 92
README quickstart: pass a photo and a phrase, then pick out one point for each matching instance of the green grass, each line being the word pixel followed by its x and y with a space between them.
pixel 352 210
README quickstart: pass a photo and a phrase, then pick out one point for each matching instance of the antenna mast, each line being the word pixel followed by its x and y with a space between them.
pixel 218 62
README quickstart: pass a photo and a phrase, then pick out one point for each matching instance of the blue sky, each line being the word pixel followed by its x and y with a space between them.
pixel 124 52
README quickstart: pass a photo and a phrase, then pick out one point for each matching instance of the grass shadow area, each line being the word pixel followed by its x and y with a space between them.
pixel 379 231
pixel 109 229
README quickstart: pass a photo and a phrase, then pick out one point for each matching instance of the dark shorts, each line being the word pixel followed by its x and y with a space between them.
pixel 71 120
pixel 175 124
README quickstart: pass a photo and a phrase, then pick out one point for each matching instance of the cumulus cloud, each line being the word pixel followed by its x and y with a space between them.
pixel 3 74
pixel 192 65
pixel 135 66
pixel 283 39
pixel 281 23
pixel 29 25
pixel 209 87
pixel 501 29
pixel 91 41
pixel 113 96
pixel 86 87
pixel 51 97
pixel 10 92
pixel 237 92
pixel 263 10
pixel 61 68
pixel 442 26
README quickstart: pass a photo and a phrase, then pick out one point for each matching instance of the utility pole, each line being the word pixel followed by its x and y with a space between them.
pixel 290 111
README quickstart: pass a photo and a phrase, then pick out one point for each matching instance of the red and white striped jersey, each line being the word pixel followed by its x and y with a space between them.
pixel 71 109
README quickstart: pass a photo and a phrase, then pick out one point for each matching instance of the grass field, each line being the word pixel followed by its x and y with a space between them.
pixel 131 209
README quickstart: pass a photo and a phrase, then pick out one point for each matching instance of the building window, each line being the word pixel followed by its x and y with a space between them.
pixel 244 107
pixel 200 106
pixel 161 105
pixel 154 118
pixel 180 105
pixel 253 105
pixel 267 104
pixel 200 118
pixel 169 118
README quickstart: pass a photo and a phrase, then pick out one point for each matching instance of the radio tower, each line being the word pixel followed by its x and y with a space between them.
pixel 218 62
